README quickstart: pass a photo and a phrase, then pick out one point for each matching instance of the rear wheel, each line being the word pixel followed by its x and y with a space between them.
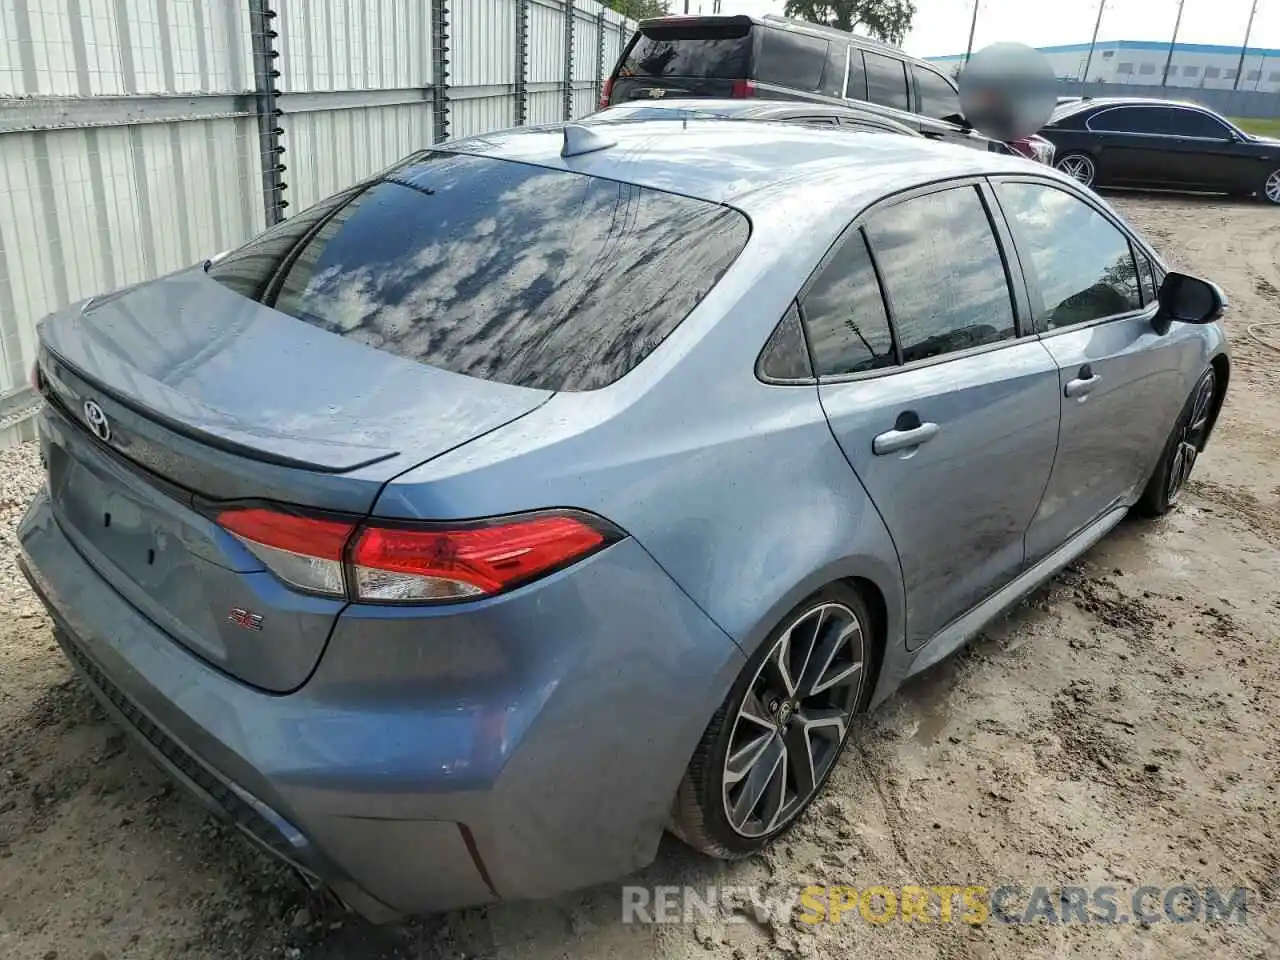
pixel 1181 450
pixel 774 741
pixel 1269 191
pixel 1079 167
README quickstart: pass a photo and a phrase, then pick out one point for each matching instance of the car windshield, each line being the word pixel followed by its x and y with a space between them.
pixel 495 269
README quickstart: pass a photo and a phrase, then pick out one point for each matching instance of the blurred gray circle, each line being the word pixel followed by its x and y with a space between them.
pixel 1008 91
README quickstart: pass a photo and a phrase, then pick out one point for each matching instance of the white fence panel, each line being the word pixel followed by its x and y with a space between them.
pixel 354 44
pixel 335 148
pixel 474 115
pixel 482 42
pixel 157 46
pixel 546 43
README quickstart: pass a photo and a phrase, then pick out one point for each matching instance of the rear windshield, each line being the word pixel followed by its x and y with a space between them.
pixel 494 269
pixel 710 49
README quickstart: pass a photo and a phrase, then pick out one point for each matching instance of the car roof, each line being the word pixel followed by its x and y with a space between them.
pixel 1089 103
pixel 794 26
pixel 749 108
pixel 748 164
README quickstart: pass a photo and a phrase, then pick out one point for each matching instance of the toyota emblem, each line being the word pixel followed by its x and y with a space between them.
pixel 97 420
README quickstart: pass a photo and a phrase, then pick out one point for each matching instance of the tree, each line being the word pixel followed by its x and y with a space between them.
pixel 639 9
pixel 887 20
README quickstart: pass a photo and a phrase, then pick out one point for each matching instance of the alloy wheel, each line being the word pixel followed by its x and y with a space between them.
pixel 1272 187
pixel 1078 167
pixel 793 719
pixel 1191 438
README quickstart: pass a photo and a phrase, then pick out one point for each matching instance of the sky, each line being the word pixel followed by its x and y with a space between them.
pixel 941 27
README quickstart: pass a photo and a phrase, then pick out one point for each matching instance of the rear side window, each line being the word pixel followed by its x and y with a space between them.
pixel 1080 260
pixel 845 316
pixel 943 273
pixel 938 98
pixel 497 270
pixel 833 70
pixel 1134 120
pixel 886 81
pixel 719 51
pixel 856 88
pixel 791 59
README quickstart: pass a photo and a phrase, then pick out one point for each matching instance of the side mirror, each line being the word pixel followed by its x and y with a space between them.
pixel 1189 300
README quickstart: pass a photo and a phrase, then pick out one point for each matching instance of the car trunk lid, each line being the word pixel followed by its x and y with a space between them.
pixel 177 397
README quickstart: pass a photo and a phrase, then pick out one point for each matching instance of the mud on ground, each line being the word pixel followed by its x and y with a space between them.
pixel 1122 727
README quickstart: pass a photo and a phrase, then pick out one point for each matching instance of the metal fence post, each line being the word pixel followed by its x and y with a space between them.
pixel 522 62
pixel 440 60
pixel 569 17
pixel 599 86
pixel 268 112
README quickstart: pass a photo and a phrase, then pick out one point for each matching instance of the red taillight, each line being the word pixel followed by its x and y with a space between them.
pixel 406 564
pixel 742 89
pixel 606 93
pixel 414 564
pixel 305 552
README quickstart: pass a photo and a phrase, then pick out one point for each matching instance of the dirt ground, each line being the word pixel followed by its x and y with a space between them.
pixel 1122 727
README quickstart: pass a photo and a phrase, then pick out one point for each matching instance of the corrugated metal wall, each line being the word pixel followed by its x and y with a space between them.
pixel 129 135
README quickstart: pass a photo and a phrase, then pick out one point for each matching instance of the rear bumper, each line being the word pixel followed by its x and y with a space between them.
pixel 520 748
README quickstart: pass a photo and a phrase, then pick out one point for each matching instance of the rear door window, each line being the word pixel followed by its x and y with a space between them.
pixel 943 273
pixel 497 270
pixel 886 81
pixel 856 88
pixel 844 314
pixel 720 51
pixel 789 59
pixel 1152 120
pixel 833 69
pixel 1081 262
pixel 938 98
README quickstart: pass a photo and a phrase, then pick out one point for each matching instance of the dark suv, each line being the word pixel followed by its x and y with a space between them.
pixel 780 59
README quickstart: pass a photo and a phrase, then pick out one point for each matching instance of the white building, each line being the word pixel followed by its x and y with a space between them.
pixel 1194 65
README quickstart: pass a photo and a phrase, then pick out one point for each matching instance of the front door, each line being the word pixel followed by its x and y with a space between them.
pixel 1117 384
pixel 947 416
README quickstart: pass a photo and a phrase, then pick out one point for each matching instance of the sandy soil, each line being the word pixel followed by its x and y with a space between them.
pixel 1122 727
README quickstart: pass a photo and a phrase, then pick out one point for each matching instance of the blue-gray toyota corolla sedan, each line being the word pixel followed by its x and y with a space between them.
pixel 460 534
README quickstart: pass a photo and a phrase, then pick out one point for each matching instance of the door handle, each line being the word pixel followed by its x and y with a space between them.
pixel 1083 383
pixel 894 440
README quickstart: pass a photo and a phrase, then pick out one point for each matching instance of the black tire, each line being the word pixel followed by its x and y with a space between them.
pixel 700 814
pixel 1190 433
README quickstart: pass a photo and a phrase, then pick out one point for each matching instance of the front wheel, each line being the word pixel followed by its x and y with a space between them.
pixel 774 741
pixel 1183 447
pixel 1079 167
pixel 1269 190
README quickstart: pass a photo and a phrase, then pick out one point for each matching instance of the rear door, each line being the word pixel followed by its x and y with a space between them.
pixel 946 410
pixel 1118 377
pixel 1135 146
pixel 687 57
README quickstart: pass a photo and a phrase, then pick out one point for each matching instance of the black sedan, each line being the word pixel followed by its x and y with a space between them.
pixel 1164 144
